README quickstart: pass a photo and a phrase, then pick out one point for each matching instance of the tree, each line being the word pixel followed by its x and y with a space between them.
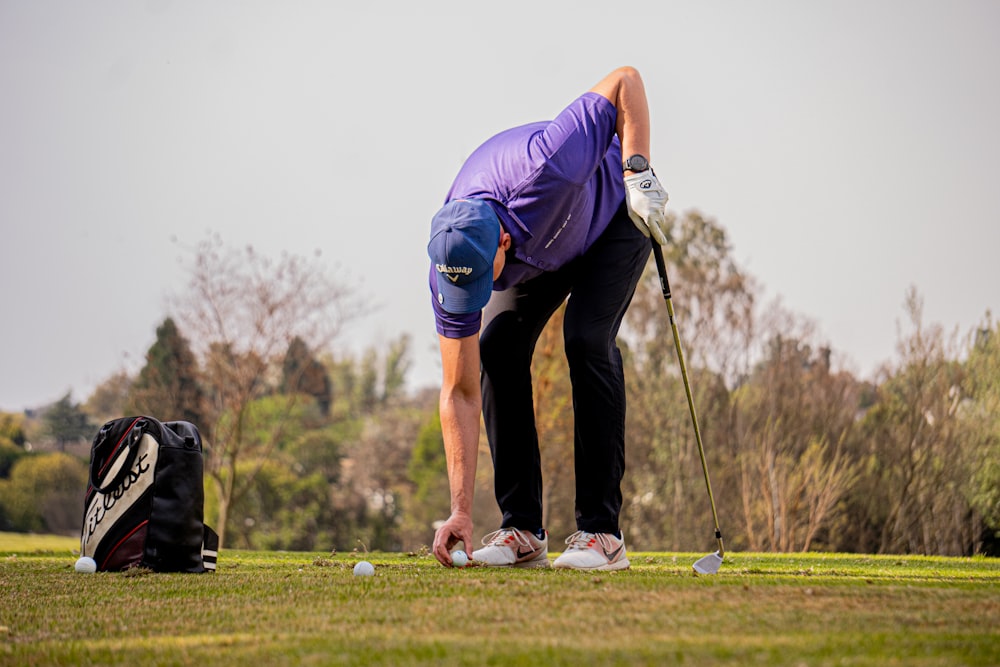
pixel 916 454
pixel 791 419
pixel 714 301
pixel 289 500
pixel 303 374
pixel 109 399
pixel 12 429
pixel 243 310
pixel 65 422
pixel 12 439
pixel 375 488
pixel 44 494
pixel 375 379
pixel 428 473
pixel 168 386
pixel 982 412
pixel 283 510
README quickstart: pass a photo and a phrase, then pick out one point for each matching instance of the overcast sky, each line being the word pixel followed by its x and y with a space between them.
pixel 850 149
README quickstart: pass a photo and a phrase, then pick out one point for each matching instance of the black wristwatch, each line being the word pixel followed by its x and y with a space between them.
pixel 635 163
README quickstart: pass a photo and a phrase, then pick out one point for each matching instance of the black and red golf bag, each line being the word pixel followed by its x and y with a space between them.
pixel 144 505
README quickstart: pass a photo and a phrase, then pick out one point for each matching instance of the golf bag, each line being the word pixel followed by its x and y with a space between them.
pixel 144 505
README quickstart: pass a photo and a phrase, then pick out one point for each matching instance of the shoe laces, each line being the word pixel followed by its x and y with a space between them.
pixel 501 537
pixel 581 540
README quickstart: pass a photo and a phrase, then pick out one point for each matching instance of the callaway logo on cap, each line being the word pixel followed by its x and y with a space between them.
pixel 465 235
pixel 453 272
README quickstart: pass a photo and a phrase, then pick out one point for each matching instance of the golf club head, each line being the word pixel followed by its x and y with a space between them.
pixel 708 564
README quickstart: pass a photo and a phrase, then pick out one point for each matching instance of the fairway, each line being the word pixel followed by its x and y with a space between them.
pixel 308 608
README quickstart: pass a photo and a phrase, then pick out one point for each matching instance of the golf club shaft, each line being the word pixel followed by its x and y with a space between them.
pixel 661 268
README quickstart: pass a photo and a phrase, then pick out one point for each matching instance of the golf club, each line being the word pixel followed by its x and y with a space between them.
pixel 706 564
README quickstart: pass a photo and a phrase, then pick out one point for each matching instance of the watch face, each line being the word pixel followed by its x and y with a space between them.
pixel 636 163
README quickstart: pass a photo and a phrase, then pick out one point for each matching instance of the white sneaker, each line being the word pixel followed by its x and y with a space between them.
pixel 593 551
pixel 510 547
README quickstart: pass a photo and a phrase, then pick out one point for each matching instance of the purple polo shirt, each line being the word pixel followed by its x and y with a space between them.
pixel 555 187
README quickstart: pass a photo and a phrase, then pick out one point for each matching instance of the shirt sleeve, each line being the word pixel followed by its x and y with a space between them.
pixel 576 142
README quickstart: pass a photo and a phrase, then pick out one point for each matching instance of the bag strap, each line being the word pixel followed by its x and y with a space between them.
pixel 210 550
pixel 123 462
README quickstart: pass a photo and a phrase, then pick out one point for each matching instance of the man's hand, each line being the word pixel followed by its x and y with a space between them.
pixel 458 528
pixel 647 205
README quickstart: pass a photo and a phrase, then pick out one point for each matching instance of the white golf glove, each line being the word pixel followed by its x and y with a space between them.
pixel 647 205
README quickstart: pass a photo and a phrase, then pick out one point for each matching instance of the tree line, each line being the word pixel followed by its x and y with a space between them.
pixel 312 448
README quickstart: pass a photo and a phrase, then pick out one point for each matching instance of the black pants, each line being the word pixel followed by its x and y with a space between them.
pixel 600 285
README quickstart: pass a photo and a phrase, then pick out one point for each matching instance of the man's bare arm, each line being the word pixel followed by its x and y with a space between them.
pixel 461 406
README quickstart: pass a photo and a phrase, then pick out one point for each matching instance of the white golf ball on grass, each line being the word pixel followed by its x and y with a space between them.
pixel 86 564
pixel 459 558
pixel 364 569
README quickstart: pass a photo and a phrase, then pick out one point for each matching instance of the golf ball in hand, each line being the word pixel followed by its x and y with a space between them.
pixel 459 559
pixel 364 569
pixel 86 564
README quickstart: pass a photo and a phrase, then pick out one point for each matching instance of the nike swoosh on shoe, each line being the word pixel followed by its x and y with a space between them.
pixel 614 554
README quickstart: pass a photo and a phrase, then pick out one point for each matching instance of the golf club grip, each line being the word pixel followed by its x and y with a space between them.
pixel 661 268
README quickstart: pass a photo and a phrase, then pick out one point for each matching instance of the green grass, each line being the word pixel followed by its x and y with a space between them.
pixel 264 608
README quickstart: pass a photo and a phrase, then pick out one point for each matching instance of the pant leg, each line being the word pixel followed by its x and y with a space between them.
pixel 512 322
pixel 602 291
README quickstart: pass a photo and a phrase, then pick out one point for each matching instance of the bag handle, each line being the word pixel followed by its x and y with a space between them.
pixel 123 462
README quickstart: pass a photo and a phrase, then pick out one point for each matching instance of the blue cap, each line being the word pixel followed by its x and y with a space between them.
pixel 465 235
